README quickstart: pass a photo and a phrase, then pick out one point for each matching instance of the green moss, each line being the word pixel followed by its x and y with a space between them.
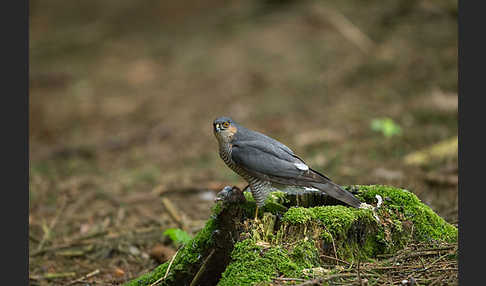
pixel 397 224
pixel 341 230
pixel 298 215
pixel 339 219
pixel 370 247
pixel 267 252
pixel 248 267
pixel 253 263
pixel 187 256
pixel 355 231
pixel 150 277
pixel 305 254
pixel 428 226
pixel 248 196
pixel 216 209
pixel 192 250
pixel 278 197
pixel 273 204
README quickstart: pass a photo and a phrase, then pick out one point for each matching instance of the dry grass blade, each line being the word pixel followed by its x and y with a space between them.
pixel 174 213
pixel 48 229
pixel 53 275
pixel 166 272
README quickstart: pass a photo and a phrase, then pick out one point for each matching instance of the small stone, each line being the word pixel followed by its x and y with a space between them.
pixel 134 251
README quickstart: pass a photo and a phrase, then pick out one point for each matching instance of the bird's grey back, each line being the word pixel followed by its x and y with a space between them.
pixel 245 134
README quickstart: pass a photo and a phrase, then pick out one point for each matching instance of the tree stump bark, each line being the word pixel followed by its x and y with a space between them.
pixel 296 232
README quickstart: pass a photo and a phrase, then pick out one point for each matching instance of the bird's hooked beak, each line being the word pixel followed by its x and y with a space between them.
pixel 217 127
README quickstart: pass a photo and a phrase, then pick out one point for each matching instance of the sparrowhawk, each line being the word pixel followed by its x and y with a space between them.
pixel 266 163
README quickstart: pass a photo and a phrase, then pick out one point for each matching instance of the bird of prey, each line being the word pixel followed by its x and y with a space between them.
pixel 266 164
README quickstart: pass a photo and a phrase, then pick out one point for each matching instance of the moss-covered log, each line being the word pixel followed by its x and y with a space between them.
pixel 294 235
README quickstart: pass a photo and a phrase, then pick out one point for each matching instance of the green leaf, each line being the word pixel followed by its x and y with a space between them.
pixel 386 126
pixel 177 235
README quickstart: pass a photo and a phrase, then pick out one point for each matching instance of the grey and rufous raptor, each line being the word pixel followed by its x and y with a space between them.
pixel 267 164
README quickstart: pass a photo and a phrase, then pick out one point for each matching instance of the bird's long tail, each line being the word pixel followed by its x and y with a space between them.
pixel 337 192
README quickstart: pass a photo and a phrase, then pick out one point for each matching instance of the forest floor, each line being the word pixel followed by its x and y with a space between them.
pixel 123 95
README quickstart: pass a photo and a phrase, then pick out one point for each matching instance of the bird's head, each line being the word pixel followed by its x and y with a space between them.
pixel 224 128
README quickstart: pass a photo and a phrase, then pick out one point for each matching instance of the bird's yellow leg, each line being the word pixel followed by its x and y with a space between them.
pixel 256 214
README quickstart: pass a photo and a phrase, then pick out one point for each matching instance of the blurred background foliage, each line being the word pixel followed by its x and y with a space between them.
pixel 123 94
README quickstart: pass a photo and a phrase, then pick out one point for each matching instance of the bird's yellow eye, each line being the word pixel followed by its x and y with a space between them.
pixel 226 124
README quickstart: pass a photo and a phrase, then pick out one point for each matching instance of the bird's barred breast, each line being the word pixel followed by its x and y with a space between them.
pixel 258 187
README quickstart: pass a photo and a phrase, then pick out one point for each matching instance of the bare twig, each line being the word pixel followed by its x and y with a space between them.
pixel 438 280
pixel 80 279
pixel 416 253
pixel 288 279
pixel 336 259
pixel 333 245
pixel 359 274
pixel 174 214
pixel 311 282
pixel 69 244
pixel 434 262
pixel 330 277
pixel 347 28
pixel 167 271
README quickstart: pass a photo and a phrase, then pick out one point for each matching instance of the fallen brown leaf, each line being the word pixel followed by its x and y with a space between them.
pixel 161 253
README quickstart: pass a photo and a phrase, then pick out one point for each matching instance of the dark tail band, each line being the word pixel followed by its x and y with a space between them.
pixel 338 193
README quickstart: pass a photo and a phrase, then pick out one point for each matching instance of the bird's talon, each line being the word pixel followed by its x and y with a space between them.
pixel 256 215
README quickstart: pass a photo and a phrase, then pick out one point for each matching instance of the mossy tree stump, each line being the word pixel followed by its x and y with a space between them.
pixel 295 234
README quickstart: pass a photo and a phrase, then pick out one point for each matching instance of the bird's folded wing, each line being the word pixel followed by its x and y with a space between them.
pixel 266 161
pixel 262 159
